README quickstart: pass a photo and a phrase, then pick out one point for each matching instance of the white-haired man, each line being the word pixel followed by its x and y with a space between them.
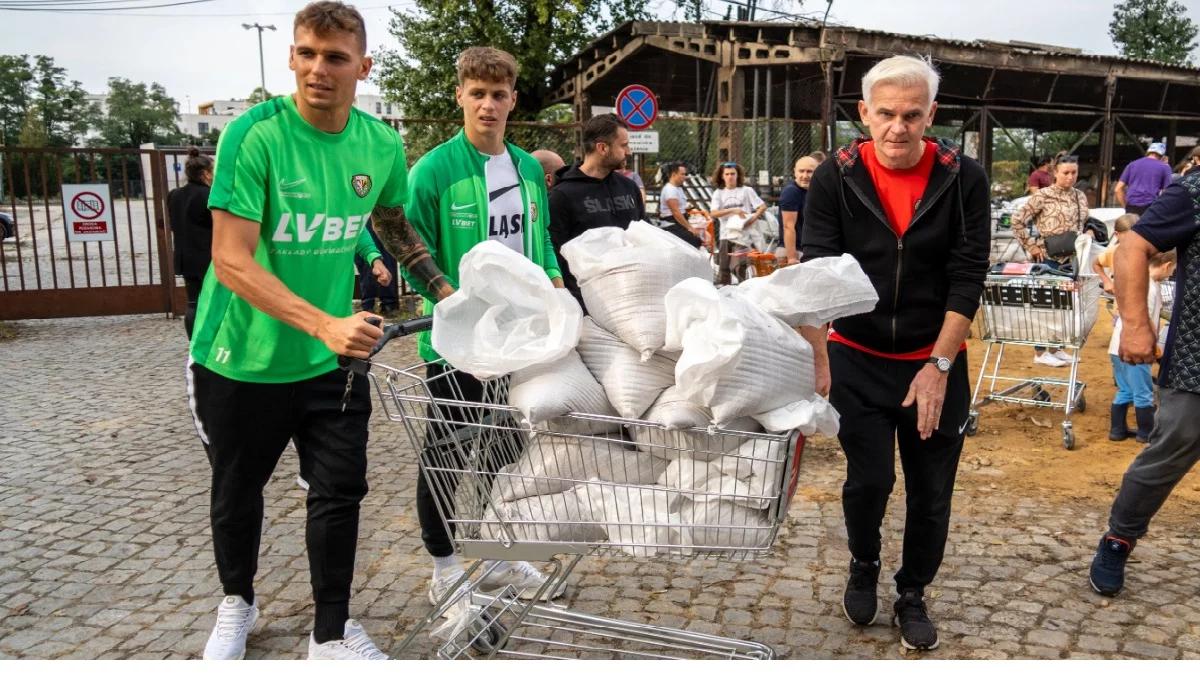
pixel 915 214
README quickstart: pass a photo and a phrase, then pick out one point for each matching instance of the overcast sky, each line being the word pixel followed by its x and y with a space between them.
pixel 201 52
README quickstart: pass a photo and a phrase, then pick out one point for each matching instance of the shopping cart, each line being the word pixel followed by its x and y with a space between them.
pixel 1041 311
pixel 491 479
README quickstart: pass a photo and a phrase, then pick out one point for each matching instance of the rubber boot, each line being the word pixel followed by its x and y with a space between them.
pixel 1145 423
pixel 1117 430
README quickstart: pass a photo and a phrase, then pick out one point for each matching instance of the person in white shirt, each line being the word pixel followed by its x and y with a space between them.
pixel 672 205
pixel 733 199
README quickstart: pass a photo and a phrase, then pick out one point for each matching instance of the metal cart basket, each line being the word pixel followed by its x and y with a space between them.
pixel 1039 311
pixel 584 484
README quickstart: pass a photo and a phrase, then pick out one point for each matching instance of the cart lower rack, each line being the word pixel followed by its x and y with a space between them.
pixel 578 486
pixel 1052 312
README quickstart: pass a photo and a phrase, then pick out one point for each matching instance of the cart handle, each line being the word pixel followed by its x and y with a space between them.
pixel 394 330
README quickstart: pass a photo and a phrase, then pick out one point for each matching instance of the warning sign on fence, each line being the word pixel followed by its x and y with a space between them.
pixel 87 210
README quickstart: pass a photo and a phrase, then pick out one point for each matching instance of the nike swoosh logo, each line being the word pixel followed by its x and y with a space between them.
pixel 964 426
pixel 283 184
pixel 502 191
pixel 456 207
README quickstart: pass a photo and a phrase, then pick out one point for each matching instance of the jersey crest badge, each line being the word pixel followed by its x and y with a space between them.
pixel 532 212
pixel 361 185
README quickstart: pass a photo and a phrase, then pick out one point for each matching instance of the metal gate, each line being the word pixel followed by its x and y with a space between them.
pixel 44 274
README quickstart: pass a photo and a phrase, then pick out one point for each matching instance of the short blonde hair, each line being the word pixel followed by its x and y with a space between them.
pixel 903 71
pixel 1125 222
pixel 487 64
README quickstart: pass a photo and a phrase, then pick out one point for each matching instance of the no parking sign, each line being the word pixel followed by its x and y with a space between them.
pixel 87 210
pixel 637 106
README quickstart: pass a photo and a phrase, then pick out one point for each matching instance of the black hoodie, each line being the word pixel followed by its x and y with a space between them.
pixel 580 202
pixel 938 266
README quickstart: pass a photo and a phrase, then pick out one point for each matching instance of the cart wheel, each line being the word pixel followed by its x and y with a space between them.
pixel 973 424
pixel 1041 395
pixel 1081 404
pixel 1068 439
pixel 486 634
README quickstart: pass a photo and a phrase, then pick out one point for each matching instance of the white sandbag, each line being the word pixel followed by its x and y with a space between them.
pixel 680 416
pixel 545 391
pixel 809 417
pixel 748 476
pixel 505 315
pixel 737 359
pixel 552 464
pixel 560 517
pixel 812 293
pixel 631 384
pixel 674 411
pixel 637 518
pixel 721 524
pixel 625 274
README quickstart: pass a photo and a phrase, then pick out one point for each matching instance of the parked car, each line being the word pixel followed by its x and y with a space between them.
pixel 8 227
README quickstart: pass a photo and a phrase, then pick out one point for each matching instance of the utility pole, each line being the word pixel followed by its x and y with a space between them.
pixel 262 71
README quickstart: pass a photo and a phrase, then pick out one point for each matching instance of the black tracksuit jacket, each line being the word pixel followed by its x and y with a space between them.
pixel 940 263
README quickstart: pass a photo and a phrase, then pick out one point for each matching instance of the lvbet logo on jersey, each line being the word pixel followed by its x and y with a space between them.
pixel 303 228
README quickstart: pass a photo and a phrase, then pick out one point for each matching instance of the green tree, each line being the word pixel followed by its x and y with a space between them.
pixel 1153 30
pixel 540 34
pixel 27 84
pixel 258 95
pixel 139 114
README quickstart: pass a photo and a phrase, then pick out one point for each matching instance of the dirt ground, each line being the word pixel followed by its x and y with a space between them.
pixel 1022 446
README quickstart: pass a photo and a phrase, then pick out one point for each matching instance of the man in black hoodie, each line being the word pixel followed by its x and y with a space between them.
pixel 592 194
pixel 915 214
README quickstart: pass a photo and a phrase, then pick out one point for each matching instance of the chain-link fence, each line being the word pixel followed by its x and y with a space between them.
pixel 766 149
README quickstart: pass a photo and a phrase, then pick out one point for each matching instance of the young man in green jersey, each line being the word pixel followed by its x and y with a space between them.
pixel 473 188
pixel 297 178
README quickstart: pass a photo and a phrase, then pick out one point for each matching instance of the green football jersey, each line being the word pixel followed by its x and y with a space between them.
pixel 311 192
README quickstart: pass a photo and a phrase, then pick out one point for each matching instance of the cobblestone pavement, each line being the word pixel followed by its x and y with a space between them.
pixel 105 553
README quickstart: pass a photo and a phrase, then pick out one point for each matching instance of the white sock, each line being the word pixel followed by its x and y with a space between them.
pixel 443 564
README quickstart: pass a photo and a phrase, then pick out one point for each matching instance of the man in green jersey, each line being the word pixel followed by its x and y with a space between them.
pixel 297 177
pixel 472 188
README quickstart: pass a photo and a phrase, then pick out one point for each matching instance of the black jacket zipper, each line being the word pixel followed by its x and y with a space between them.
pixel 899 240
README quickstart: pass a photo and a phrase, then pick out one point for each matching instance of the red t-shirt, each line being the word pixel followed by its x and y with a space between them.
pixel 899 191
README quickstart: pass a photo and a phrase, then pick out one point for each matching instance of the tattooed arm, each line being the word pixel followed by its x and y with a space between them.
pixel 412 255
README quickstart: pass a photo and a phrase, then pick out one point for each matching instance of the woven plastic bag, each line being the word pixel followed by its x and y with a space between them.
pixel 637 518
pixel 505 315
pixel 736 359
pixel 546 391
pixel 812 293
pixel 631 384
pixel 552 464
pixel 560 517
pixel 625 274
pixel 721 524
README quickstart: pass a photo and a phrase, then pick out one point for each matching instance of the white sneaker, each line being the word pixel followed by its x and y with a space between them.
pixel 1049 360
pixel 440 586
pixel 523 577
pixel 354 646
pixel 235 618
pixel 1065 356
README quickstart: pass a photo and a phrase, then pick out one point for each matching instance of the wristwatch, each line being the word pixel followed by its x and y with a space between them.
pixel 942 364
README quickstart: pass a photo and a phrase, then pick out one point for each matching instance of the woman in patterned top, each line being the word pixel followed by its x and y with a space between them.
pixel 1055 210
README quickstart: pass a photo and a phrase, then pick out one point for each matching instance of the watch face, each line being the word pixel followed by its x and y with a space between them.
pixel 943 364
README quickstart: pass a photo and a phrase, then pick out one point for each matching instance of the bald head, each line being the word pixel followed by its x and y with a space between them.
pixel 550 161
pixel 803 170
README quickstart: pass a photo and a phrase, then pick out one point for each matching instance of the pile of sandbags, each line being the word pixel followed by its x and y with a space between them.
pixel 648 432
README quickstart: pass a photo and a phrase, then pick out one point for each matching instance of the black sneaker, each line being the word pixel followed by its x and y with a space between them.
pixel 860 602
pixel 1107 575
pixel 916 630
